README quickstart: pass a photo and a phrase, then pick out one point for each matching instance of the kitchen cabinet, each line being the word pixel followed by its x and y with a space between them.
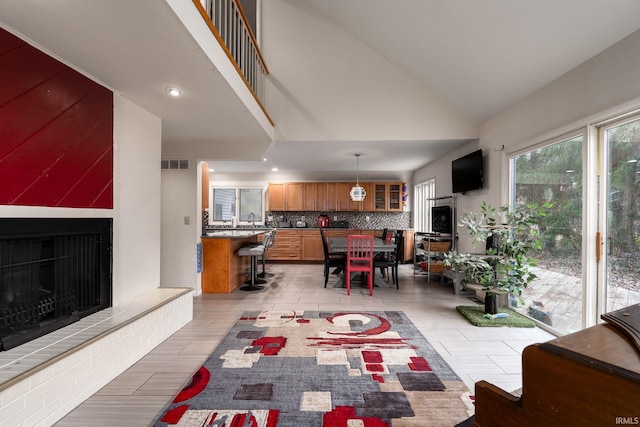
pixel 285 196
pixel 286 245
pixel 312 246
pixel 315 196
pixel 334 197
pixel 395 197
pixel 367 204
pixel 406 252
pixel 276 196
pixel 306 245
pixel 380 196
pixel 336 233
pixel 223 267
pixel 338 199
pixel 387 196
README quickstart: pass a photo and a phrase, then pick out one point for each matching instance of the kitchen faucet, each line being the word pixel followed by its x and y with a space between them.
pixel 253 219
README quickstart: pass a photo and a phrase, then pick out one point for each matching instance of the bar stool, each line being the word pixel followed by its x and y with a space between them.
pixel 267 242
pixel 254 251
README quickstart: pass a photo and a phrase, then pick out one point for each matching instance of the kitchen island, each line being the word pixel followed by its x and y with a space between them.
pixel 222 266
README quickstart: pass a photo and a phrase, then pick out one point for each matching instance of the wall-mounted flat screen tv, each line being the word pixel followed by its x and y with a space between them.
pixel 467 173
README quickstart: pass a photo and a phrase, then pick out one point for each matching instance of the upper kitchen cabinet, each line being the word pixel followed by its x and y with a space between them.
pixel 367 204
pixel 285 196
pixel 315 196
pixel 338 196
pixel 334 197
pixel 395 197
pixel 387 196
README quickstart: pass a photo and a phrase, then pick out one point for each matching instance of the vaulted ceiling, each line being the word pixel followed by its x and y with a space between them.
pixel 478 56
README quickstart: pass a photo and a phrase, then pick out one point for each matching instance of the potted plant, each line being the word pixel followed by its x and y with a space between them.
pixel 509 237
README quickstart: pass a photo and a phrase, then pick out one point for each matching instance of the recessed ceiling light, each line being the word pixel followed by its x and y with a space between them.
pixel 264 160
pixel 173 91
pixel 212 170
pixel 274 169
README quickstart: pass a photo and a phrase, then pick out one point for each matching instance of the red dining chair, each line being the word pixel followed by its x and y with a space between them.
pixel 359 259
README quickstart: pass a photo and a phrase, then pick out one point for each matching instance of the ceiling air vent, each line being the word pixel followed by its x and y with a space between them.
pixel 174 164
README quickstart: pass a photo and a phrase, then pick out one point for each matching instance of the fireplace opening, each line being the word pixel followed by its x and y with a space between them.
pixel 53 272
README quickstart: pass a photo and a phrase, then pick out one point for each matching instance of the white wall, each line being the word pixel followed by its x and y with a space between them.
pixel 326 85
pixel 137 144
pixel 441 171
pixel 179 200
pixel 605 81
pixel 600 88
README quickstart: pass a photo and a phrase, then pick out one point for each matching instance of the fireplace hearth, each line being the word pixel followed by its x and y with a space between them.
pixel 53 272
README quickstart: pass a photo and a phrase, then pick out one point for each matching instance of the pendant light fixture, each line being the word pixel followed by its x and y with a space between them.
pixel 357 193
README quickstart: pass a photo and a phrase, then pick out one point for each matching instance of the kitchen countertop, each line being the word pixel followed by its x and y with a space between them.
pixel 264 230
pixel 235 234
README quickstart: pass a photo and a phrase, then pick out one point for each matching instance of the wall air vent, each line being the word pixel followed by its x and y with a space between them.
pixel 174 164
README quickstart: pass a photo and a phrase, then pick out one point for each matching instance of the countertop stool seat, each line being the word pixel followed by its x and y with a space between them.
pixel 267 242
pixel 254 251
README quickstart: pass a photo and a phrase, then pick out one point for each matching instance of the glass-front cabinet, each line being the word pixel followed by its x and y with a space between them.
pixel 380 194
pixel 387 196
pixel 395 197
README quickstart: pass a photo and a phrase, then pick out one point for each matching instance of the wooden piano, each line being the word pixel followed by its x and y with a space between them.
pixel 588 378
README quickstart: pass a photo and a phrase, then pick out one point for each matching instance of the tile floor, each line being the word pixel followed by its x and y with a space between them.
pixel 136 396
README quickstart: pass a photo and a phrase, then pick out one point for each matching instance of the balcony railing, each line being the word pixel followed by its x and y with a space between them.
pixel 231 28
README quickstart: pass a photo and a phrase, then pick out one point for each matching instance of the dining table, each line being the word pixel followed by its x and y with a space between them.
pixel 339 244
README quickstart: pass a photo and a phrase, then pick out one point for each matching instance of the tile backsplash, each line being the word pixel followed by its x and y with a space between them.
pixel 377 220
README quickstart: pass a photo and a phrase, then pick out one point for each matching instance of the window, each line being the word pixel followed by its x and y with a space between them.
pixel 243 203
pixel 224 204
pixel 250 204
pixel 423 202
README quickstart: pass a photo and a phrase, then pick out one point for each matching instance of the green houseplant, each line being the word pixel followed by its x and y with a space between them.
pixel 509 237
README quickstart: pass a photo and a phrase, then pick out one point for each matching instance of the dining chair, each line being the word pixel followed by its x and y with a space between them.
pixel 388 236
pixel 331 259
pixel 359 259
pixel 390 260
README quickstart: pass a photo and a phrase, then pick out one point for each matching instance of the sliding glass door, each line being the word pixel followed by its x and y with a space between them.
pixel 620 246
pixel 553 173
pixel 589 261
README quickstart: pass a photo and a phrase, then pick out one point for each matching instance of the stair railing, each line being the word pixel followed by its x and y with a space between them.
pixel 230 26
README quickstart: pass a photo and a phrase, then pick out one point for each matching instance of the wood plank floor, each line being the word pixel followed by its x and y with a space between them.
pixel 138 395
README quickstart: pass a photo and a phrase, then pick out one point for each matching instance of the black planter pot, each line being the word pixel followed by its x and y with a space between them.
pixel 490 303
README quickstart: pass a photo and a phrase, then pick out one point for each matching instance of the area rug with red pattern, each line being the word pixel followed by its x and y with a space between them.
pixel 325 369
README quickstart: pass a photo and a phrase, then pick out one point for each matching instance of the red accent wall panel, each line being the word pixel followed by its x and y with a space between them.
pixel 56 132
